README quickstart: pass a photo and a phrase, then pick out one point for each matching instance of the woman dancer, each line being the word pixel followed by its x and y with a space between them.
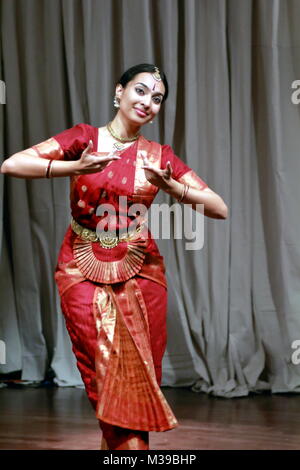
pixel 110 275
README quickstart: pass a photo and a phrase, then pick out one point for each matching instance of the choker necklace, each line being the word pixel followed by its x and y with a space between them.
pixel 118 137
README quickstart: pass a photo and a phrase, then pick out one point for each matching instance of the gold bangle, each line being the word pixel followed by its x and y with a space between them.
pixel 182 194
pixel 186 191
pixel 48 169
pixel 51 168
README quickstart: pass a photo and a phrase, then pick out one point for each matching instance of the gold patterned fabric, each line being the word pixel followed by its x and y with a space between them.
pixel 193 180
pixel 109 272
pixel 129 396
pixel 125 259
pixel 67 272
pixel 50 149
pixel 153 151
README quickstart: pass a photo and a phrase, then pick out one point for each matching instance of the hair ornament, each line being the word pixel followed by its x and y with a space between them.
pixel 156 74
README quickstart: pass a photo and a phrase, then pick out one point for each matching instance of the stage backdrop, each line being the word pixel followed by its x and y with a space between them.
pixel 234 306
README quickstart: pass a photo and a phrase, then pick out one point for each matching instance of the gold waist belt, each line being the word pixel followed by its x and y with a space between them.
pixel 106 239
pixel 122 258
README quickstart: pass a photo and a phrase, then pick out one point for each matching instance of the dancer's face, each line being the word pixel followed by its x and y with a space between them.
pixel 141 99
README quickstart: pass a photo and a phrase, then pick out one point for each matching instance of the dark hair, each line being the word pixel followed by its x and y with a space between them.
pixel 140 68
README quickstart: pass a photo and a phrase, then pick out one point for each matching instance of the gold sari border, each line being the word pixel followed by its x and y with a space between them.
pixel 129 395
pixel 193 180
pixel 49 149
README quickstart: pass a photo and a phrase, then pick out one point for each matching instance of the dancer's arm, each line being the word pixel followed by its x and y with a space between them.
pixel 28 164
pixel 214 206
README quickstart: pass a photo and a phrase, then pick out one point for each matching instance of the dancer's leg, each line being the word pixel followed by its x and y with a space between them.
pixel 76 305
pixel 116 438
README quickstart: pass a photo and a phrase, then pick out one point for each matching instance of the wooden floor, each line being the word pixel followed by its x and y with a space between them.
pixel 62 418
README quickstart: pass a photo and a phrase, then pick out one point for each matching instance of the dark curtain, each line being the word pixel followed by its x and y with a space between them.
pixel 233 305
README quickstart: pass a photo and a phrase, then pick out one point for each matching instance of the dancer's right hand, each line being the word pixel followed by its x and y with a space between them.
pixel 91 162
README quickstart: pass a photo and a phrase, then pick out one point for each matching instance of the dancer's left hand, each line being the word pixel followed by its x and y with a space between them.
pixel 162 178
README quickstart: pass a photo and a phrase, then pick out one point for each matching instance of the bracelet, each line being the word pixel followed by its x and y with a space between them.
pixel 184 192
pixel 187 190
pixel 48 171
pixel 51 168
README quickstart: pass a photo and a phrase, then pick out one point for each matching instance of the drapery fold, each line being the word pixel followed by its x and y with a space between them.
pixel 128 393
pixel 229 116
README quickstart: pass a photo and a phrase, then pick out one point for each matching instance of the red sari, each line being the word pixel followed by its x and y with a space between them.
pixel 114 298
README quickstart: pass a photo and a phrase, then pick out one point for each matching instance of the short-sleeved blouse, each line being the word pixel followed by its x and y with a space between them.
pixel 119 185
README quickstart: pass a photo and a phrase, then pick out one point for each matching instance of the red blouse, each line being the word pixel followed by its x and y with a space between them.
pixel 117 187
pixel 117 179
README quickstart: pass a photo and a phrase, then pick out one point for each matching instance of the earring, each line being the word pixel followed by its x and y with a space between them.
pixel 150 122
pixel 116 102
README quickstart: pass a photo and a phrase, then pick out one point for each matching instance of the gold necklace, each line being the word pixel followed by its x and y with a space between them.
pixel 118 137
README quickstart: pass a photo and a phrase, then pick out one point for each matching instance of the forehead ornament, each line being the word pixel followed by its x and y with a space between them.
pixel 156 74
